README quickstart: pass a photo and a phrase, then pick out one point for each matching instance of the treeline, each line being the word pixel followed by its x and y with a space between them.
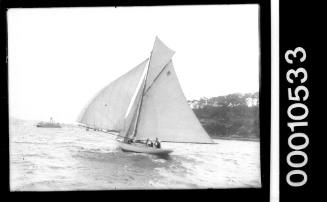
pixel 232 116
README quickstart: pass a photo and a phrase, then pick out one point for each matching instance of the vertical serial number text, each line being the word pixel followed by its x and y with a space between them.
pixel 297 113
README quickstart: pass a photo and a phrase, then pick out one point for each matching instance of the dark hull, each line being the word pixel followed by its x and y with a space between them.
pixel 48 125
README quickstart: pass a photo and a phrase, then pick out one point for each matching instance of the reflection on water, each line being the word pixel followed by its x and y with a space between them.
pixel 71 158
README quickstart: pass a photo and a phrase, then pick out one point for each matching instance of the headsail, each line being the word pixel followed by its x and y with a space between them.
pixel 166 114
pixel 160 56
pixel 131 116
pixel 107 109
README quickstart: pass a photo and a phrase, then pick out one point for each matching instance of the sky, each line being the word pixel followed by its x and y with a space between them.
pixel 59 58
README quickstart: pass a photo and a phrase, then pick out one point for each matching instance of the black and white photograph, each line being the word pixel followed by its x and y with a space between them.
pixel 134 98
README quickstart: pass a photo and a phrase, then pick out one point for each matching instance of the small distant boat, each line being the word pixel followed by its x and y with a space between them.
pixel 50 124
pixel 144 104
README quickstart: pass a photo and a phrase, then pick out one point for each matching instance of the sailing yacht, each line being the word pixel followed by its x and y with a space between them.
pixel 144 104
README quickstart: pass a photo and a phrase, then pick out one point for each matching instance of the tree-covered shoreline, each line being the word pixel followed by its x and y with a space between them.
pixel 234 116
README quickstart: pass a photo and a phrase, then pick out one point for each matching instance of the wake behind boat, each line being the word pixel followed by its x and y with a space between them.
pixel 146 103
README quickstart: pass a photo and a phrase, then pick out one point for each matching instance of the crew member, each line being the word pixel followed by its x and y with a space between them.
pixel 157 143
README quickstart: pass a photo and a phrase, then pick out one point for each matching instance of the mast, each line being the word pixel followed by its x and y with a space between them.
pixel 143 91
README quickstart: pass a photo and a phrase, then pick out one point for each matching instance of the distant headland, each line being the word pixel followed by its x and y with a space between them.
pixel 234 116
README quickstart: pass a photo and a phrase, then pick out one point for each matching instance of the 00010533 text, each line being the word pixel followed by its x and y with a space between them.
pixel 297 112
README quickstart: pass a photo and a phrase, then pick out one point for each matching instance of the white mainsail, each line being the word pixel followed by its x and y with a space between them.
pixel 165 113
pixel 107 109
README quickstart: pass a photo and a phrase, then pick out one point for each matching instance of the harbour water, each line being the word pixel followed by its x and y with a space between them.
pixel 71 158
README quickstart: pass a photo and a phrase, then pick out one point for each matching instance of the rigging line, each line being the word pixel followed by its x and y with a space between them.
pixel 157 77
pixel 107 132
pixel 143 140
pixel 191 142
pixel 139 109
pixel 132 124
